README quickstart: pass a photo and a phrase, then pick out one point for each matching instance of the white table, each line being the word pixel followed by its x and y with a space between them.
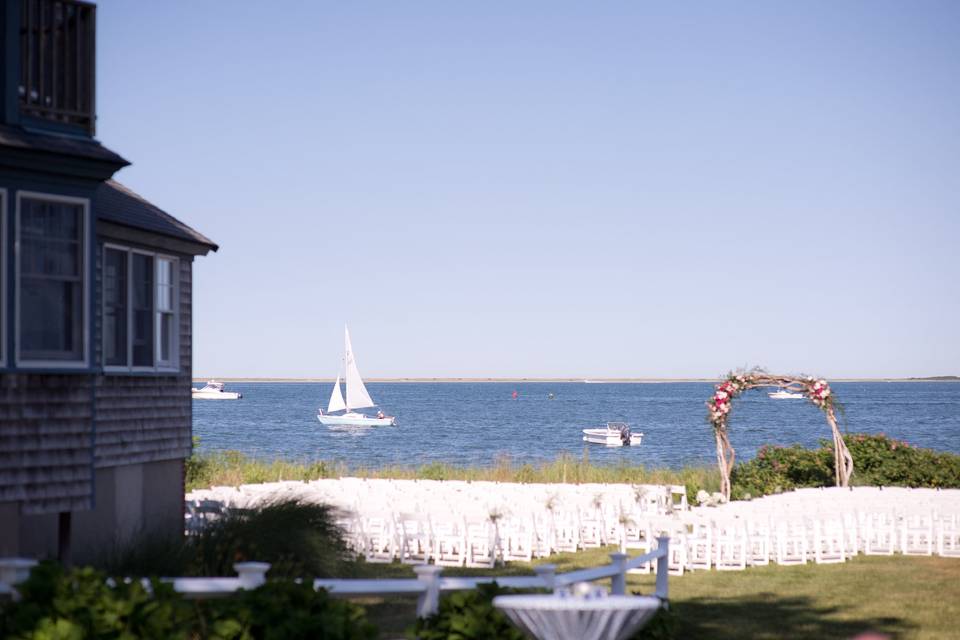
pixel 554 617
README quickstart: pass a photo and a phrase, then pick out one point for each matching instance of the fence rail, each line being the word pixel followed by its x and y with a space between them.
pixel 427 586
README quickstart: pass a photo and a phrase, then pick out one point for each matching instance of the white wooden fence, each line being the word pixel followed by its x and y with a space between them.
pixel 427 586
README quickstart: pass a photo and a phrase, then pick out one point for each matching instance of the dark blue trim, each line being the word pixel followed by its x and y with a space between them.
pixel 34 124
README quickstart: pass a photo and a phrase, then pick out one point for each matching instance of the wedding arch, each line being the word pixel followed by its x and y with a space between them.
pixel 814 389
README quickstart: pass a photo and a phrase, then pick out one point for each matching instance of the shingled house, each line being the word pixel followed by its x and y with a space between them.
pixel 95 309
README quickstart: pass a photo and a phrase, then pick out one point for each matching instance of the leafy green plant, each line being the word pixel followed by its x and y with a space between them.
pixel 280 610
pixel 81 604
pixel 57 604
pixel 468 615
pixel 877 459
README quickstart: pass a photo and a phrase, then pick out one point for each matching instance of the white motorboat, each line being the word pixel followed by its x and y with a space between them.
pixel 357 398
pixel 213 390
pixel 783 394
pixel 615 434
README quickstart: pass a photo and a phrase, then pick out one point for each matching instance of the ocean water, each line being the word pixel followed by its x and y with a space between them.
pixel 475 423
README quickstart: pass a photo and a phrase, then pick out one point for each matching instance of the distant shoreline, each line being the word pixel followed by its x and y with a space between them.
pixel 555 380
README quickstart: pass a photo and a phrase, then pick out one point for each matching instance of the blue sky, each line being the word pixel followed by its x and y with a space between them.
pixel 552 188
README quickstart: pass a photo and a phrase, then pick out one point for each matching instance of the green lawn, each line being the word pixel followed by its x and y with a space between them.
pixel 906 597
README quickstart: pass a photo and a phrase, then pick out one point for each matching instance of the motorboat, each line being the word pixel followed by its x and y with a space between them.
pixel 357 397
pixel 783 394
pixel 213 390
pixel 615 434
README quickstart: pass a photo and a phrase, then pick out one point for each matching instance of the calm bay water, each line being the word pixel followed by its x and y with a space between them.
pixel 474 423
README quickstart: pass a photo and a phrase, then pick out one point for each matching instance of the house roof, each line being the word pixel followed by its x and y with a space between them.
pixel 116 203
pixel 77 146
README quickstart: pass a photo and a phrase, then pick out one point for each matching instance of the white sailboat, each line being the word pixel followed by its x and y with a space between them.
pixel 357 397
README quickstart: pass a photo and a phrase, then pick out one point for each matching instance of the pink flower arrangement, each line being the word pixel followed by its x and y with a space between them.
pixel 719 404
pixel 819 392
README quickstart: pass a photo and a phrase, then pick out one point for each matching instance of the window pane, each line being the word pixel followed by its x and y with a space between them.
pixel 142 310
pixel 51 280
pixel 166 337
pixel 115 307
pixel 51 319
pixel 164 284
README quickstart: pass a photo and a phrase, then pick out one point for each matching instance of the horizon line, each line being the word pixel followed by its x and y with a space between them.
pixel 941 378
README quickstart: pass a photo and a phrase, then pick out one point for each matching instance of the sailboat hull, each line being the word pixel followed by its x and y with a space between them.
pixel 357 419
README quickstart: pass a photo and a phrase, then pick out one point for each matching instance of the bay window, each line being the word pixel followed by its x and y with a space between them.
pixel 139 310
pixel 51 280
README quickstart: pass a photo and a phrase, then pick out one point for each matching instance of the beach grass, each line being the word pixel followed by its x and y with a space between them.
pixel 906 597
pixel 232 468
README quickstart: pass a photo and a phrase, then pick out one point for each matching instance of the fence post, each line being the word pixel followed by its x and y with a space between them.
pixel 547 573
pixel 252 574
pixel 663 567
pixel 618 584
pixel 428 602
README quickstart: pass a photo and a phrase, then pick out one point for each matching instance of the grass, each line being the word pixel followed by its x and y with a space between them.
pixel 906 597
pixel 232 468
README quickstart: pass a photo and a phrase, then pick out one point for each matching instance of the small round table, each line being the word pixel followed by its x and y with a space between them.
pixel 552 617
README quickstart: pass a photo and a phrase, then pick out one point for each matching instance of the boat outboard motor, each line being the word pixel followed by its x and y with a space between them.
pixel 625 434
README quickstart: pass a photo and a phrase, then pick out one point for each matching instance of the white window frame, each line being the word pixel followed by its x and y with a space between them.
pixel 84 362
pixel 157 367
pixel 4 259
pixel 157 313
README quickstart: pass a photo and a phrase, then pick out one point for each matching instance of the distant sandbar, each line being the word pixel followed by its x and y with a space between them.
pixel 554 380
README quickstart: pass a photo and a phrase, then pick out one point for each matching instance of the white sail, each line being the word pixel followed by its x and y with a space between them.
pixel 357 396
pixel 336 399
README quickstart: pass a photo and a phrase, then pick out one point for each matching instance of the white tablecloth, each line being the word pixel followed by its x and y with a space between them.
pixel 551 617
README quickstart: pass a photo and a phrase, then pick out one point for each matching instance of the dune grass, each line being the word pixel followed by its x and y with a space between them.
pixel 232 468
pixel 297 538
pixel 906 597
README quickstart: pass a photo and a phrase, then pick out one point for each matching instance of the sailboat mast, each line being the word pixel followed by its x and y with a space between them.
pixel 346 381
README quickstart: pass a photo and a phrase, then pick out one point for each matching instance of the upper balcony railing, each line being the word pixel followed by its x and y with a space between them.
pixel 57 56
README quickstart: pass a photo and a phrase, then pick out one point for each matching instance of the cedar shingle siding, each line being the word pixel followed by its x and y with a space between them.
pixel 45 453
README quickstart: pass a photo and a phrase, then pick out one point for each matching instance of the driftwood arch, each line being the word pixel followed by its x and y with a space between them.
pixel 814 389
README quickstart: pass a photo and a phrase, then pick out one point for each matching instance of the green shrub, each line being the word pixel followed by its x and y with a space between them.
pixel 468 615
pixel 285 609
pixel 81 603
pixel 877 460
pixel 881 460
